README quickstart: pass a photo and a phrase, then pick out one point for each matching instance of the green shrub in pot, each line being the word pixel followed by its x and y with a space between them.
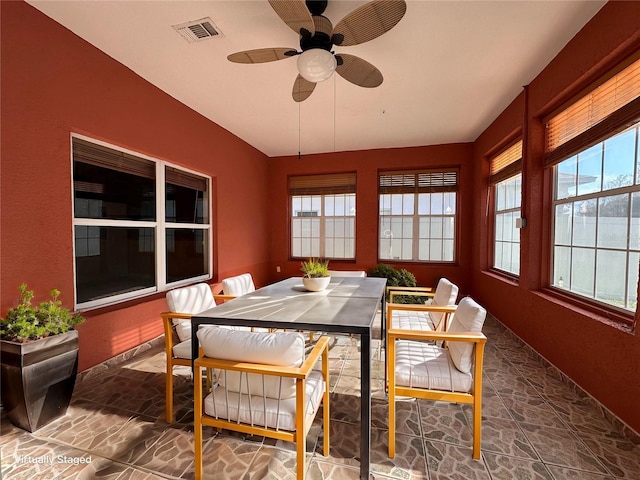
pixel 27 322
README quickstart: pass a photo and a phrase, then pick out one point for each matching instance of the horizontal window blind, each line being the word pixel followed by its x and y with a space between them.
pixel 507 163
pixel 332 184
pixel 105 157
pixel 418 181
pixel 185 179
pixel 608 108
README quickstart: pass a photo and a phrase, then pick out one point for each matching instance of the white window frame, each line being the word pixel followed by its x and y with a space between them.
pixel 582 127
pixel 407 187
pixel 320 187
pixel 322 238
pixel 576 205
pixel 160 225
pixel 506 174
pixel 513 268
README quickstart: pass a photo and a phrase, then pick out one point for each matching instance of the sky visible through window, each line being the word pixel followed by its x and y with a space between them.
pixel 597 222
pixel 604 166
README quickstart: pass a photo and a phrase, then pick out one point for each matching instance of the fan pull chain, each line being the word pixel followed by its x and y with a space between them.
pixel 334 113
pixel 298 84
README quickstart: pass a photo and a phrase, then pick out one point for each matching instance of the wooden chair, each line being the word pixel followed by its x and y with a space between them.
pixel 183 303
pixel 427 316
pixel 264 386
pixel 416 367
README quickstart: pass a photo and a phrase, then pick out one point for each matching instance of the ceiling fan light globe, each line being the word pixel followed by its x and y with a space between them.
pixel 316 64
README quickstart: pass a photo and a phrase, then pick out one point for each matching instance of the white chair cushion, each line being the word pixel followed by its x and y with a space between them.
pixel 182 350
pixel 411 320
pixel 348 273
pixel 446 294
pixel 279 414
pixel 469 317
pixel 192 300
pixel 183 329
pixel 239 285
pixel 423 365
pixel 278 348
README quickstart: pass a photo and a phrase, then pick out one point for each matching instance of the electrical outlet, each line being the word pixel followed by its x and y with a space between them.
pixel 278 269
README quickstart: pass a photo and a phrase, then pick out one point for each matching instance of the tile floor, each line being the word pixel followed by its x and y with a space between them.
pixel 534 427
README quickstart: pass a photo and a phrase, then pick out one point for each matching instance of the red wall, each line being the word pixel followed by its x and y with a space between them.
pixel 599 355
pixel 53 84
pixel 366 164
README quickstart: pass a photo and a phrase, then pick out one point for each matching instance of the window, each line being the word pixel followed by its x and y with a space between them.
pixel 128 209
pixel 418 215
pixel 596 202
pixel 506 181
pixel 323 216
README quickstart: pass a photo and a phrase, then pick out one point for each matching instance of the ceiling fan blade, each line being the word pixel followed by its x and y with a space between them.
pixel 261 55
pixel 295 14
pixel 358 71
pixel 368 22
pixel 302 89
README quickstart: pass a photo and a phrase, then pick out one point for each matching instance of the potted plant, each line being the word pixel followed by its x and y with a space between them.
pixel 39 360
pixel 316 274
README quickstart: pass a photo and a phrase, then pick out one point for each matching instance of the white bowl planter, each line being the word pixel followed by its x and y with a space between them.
pixel 316 284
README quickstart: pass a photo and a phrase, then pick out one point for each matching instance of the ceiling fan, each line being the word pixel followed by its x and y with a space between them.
pixel 316 60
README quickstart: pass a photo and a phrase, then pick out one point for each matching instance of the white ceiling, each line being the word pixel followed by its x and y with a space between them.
pixel 450 67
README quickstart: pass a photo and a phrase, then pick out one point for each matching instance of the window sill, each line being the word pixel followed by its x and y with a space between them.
pixel 503 277
pixel 330 259
pixel 445 263
pixel 621 321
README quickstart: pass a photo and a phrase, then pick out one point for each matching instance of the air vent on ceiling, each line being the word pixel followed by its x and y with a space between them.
pixel 198 30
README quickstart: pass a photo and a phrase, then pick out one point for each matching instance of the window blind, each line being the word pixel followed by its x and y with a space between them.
pixel 105 157
pixel 185 179
pixel 332 184
pixel 418 181
pixel 507 163
pixel 610 107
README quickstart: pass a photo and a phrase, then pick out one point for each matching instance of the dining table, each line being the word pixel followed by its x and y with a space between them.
pixel 349 305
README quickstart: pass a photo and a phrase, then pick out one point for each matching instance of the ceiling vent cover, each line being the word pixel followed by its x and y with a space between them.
pixel 198 30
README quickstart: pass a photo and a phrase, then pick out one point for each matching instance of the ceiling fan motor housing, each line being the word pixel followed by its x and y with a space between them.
pixel 322 36
pixel 316 7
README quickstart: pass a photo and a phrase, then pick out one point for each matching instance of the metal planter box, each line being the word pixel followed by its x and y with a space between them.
pixel 38 379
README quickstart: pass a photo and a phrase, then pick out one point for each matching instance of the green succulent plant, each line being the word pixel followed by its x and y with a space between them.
pixel 315 267
pixel 27 322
